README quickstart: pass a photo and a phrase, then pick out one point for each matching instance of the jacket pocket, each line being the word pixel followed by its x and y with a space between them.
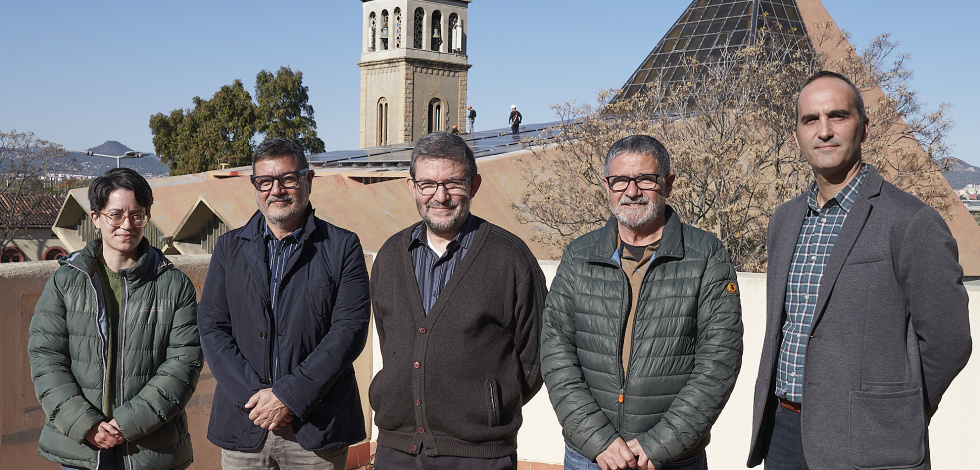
pixel 887 430
pixel 493 402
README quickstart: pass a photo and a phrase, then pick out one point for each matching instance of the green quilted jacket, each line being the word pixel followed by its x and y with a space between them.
pixel 158 352
pixel 686 346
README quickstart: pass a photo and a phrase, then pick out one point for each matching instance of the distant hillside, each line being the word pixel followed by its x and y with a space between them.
pixel 148 166
pixel 961 174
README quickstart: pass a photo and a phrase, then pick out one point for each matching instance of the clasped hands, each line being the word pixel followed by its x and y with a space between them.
pixel 105 435
pixel 622 455
pixel 267 411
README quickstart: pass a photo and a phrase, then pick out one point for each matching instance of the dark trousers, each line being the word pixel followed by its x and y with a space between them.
pixel 109 459
pixel 514 127
pixel 390 459
pixel 786 446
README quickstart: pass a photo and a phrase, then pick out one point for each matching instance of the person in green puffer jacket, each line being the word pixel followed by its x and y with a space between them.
pixel 114 349
pixel 641 340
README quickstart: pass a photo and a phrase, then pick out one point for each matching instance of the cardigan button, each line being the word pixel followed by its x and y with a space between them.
pixel 418 402
pixel 416 365
pixel 422 330
pixel 421 430
pixel 263 335
pixel 415 448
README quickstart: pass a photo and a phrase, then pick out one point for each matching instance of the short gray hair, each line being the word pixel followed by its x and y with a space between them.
pixel 640 145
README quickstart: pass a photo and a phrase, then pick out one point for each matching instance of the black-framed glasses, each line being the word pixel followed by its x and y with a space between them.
pixel 287 180
pixel 116 219
pixel 647 182
pixel 455 187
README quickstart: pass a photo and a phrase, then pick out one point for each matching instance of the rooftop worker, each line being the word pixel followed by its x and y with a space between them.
pixel 457 303
pixel 642 333
pixel 114 348
pixel 867 321
pixel 471 115
pixel 515 119
pixel 284 313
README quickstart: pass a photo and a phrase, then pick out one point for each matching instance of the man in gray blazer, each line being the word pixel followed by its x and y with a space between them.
pixel 867 321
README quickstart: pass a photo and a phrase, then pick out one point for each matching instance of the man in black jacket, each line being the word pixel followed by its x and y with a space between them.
pixel 283 315
pixel 457 304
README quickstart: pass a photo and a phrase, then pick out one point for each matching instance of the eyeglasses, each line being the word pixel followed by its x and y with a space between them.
pixel 115 219
pixel 643 182
pixel 286 180
pixel 455 187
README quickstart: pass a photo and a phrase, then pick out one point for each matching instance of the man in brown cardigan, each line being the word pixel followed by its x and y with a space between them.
pixel 457 303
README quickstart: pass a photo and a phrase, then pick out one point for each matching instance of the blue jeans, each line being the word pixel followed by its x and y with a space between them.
pixel 786 446
pixel 577 461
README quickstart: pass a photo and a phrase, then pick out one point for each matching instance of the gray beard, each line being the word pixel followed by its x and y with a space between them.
pixel 653 211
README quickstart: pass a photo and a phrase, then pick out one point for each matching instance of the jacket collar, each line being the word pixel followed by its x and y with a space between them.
pixel 671 241
pixel 150 262
pixel 256 226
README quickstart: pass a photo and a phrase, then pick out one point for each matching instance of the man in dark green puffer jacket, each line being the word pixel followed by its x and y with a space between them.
pixel 642 332
pixel 114 348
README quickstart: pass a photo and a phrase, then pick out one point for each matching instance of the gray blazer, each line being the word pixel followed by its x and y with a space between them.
pixel 890 332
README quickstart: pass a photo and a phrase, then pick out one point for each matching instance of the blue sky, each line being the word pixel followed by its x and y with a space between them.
pixel 80 73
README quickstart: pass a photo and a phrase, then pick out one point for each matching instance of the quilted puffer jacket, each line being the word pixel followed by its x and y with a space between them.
pixel 686 345
pixel 159 360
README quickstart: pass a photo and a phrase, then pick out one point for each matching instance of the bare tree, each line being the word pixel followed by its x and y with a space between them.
pixel 728 127
pixel 26 162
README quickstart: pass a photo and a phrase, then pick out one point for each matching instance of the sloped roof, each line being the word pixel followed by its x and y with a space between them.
pixel 44 208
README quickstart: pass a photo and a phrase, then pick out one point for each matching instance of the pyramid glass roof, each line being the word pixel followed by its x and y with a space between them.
pixel 708 28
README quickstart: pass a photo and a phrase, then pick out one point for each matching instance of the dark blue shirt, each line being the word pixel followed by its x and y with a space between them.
pixel 278 252
pixel 432 272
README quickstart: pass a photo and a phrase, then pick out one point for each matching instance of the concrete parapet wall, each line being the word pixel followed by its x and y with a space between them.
pixel 954 429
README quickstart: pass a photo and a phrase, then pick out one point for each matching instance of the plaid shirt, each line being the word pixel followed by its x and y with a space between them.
pixel 432 272
pixel 813 247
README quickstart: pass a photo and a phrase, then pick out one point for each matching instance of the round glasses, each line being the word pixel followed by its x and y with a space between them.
pixel 116 219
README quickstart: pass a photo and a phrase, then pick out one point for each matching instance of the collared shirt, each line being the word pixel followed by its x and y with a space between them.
pixel 821 225
pixel 278 253
pixel 432 271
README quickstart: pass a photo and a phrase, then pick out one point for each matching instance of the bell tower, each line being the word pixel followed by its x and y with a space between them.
pixel 413 69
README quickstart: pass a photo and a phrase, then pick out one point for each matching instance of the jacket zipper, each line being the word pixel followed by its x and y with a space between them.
pixel 623 367
pixel 121 331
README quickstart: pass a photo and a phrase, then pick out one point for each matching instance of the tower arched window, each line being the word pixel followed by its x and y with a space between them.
pixel 398 28
pixel 435 115
pixel 419 27
pixel 373 27
pixel 454 36
pixel 436 30
pixel 384 30
pixel 382 133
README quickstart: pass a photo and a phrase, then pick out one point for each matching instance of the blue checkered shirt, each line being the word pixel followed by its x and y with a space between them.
pixel 432 272
pixel 820 228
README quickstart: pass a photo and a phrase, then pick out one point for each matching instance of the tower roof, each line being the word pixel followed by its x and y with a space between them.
pixel 707 28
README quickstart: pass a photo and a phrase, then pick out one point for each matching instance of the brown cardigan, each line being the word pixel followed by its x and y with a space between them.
pixel 454 381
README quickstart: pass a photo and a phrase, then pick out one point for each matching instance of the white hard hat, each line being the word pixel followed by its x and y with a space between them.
pixel 513 106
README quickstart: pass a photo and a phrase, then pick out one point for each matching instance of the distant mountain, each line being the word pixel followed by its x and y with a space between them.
pixel 149 165
pixel 961 173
